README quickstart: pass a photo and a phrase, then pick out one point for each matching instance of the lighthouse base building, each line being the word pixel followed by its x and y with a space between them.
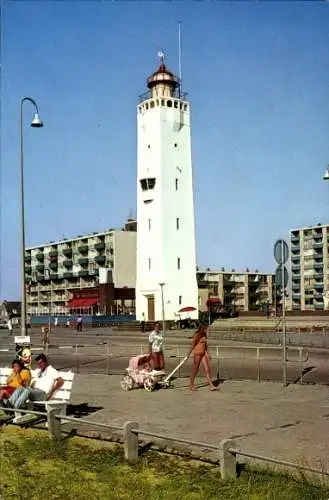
pixel 166 284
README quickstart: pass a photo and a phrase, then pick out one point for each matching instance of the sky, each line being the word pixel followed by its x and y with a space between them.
pixel 257 78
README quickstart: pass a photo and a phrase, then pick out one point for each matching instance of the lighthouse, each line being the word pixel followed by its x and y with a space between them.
pixel 166 262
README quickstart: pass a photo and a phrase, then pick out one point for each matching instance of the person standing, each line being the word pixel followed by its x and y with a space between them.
pixel 143 323
pixel 55 322
pixel 200 355
pixel 10 325
pixel 79 323
pixel 156 341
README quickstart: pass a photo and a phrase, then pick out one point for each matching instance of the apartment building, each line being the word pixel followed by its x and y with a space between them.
pixel 241 291
pixel 309 267
pixel 93 273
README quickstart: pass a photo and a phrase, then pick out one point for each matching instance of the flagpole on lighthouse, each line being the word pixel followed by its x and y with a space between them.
pixel 179 59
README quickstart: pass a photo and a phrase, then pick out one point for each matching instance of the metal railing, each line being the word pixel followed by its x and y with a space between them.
pixel 219 354
pixel 228 451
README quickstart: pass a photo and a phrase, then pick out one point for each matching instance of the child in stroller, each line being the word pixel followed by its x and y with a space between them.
pixel 141 374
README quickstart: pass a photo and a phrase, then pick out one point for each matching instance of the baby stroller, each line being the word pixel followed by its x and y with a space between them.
pixel 140 374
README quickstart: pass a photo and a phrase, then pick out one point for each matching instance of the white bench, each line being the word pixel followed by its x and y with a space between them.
pixel 60 398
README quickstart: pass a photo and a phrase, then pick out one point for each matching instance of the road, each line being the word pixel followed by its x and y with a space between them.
pixel 109 351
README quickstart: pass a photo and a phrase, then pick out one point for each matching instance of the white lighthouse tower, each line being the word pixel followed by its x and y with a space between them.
pixel 166 263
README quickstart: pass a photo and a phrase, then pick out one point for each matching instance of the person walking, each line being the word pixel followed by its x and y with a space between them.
pixel 200 355
pixel 156 341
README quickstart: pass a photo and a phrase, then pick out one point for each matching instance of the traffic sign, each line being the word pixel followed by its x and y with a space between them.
pixel 281 252
pixel 281 277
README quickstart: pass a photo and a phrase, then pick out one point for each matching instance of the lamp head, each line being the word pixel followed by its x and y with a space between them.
pixel 36 122
pixel 326 175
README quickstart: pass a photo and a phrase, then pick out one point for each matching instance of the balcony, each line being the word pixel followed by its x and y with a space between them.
pixel 67 263
pixel 100 246
pixel 295 276
pixel 27 258
pixel 100 259
pixel 53 253
pixel 83 248
pixel 84 261
pixel 295 267
pixel 294 239
pixel 318 265
pixel 67 252
pixel 318 306
pixel 67 275
pixel 40 267
pixel 53 265
pixel 318 286
pixel 40 256
pixel 83 273
pixel 53 276
pixel 317 244
pixel 40 277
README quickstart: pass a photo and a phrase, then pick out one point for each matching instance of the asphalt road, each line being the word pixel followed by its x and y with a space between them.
pixel 109 352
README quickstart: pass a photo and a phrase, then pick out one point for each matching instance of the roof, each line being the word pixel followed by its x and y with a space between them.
pixel 11 305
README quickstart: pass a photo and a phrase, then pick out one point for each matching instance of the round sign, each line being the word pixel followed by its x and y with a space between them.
pixel 281 252
pixel 281 277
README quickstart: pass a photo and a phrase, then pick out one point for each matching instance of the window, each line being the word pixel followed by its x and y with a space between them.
pixel 175 145
pixel 149 146
pixel 152 104
pixel 178 263
pixel 176 184
pixel 175 104
pixel 180 300
pixel 169 104
pixel 149 224
pixel 147 183
pixel 177 222
pixel 149 264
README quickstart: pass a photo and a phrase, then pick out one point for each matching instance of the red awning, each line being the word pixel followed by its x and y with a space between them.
pixel 214 300
pixel 81 303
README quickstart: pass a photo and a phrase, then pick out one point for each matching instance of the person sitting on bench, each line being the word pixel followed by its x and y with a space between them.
pixel 19 377
pixel 46 383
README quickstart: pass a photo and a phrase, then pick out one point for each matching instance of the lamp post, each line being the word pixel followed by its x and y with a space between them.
pixel 163 309
pixel 326 174
pixel 36 123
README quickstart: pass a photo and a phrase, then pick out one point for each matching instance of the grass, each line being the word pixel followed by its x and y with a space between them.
pixel 33 467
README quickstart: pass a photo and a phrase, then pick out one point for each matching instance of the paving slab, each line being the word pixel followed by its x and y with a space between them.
pixel 289 423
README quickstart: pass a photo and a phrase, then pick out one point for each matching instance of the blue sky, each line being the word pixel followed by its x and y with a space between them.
pixel 257 75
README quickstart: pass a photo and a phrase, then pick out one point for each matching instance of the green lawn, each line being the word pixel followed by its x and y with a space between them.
pixel 33 467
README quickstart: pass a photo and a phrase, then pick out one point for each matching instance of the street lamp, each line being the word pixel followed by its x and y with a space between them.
pixel 163 309
pixel 35 123
pixel 326 174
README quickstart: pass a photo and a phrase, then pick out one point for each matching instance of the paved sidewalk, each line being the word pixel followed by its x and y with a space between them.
pixel 287 423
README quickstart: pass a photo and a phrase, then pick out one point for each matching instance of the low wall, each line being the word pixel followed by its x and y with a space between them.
pixel 91 321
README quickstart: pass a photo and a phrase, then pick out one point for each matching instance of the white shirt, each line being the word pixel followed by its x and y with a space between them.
pixel 156 339
pixel 45 380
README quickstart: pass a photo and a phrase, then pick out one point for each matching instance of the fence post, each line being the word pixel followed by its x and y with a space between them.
pixel 218 368
pixel 258 364
pixel 130 440
pixel 77 358
pixel 108 357
pixel 301 365
pixel 227 459
pixel 54 424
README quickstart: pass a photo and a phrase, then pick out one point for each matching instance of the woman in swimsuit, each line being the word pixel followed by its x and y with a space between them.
pixel 200 351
